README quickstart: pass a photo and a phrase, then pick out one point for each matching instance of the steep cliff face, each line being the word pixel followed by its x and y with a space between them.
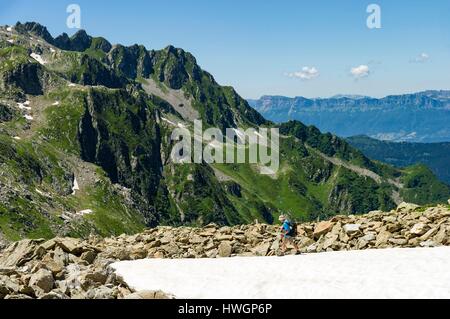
pixel 27 77
pixel 133 62
pixel 119 133
pixel 90 71
pixel 21 75
pixel 6 113
pixel 85 131
pixel 174 67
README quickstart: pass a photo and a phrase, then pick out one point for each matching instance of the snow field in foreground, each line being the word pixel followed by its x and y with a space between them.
pixel 384 273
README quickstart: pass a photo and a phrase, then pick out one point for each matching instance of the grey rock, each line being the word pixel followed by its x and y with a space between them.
pixel 43 279
pixel 352 228
pixel 419 229
pixel 7 286
pixel 102 292
pixel 54 295
pixel 225 249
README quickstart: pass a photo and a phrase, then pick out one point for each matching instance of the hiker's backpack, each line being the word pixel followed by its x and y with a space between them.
pixel 293 228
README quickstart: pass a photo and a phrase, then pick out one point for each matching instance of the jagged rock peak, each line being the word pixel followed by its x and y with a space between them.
pixel 36 29
pixel 80 41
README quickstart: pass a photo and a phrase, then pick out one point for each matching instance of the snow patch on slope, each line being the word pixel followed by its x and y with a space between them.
pixel 75 186
pixel 38 58
pixel 85 212
pixel 24 106
pixel 383 273
pixel 168 121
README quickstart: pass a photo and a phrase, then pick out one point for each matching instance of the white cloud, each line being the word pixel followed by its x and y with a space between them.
pixel 307 73
pixel 359 72
pixel 422 58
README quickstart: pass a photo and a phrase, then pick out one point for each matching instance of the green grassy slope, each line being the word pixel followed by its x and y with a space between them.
pixel 435 155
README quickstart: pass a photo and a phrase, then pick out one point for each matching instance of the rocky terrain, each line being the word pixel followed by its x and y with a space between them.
pixel 64 268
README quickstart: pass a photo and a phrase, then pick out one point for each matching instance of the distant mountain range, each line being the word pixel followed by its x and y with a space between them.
pixel 419 117
pixel 435 155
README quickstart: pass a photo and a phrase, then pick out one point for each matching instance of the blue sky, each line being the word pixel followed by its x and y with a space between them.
pixel 284 47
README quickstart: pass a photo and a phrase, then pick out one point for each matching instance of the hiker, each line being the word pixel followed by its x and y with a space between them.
pixel 287 233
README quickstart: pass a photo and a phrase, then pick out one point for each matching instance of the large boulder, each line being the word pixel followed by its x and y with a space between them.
pixel 369 237
pixel 118 253
pixel 71 245
pixel 322 228
pixel 18 253
pixel 55 266
pixel 99 276
pixel 212 253
pixel 42 280
pixel 383 238
pixel 49 244
pixel 102 292
pixel 225 249
pixel 330 241
pixel 407 207
pixel 430 233
pixel 441 237
pixel 89 256
pixel 352 228
pixel 171 249
pixel 7 287
pixel 419 229
pixel 262 249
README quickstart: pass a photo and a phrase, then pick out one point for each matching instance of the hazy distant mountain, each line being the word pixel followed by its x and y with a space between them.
pixel 349 96
pixel 419 117
pixel 435 155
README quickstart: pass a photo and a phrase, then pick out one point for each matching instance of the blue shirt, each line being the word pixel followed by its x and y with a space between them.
pixel 287 226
